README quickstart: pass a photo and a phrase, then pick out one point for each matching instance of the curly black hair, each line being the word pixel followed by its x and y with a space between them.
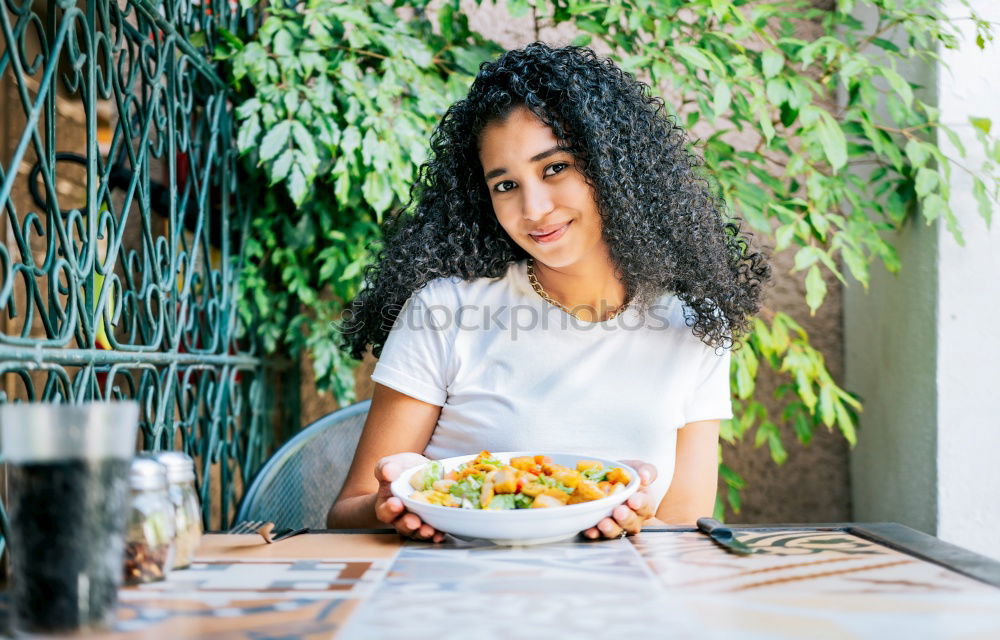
pixel 666 229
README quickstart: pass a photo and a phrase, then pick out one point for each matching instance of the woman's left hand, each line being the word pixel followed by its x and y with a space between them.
pixel 629 517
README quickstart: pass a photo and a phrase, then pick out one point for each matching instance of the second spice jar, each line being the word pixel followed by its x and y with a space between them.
pixel 187 512
pixel 149 537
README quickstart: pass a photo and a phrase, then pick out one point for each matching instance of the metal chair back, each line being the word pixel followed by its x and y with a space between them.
pixel 296 487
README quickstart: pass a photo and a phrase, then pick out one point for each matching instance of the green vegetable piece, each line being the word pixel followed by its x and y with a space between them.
pixel 522 501
pixel 504 501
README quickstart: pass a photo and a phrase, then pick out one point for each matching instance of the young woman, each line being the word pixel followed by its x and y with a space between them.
pixel 566 281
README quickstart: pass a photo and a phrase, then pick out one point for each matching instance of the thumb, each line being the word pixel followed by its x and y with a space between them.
pixel 388 471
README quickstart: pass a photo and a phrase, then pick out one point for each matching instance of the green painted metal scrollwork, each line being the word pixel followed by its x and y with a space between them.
pixel 123 213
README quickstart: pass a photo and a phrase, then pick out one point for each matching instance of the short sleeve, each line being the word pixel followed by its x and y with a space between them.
pixel 710 399
pixel 416 355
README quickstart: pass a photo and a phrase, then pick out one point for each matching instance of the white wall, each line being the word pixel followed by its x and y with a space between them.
pixel 968 311
pixel 923 347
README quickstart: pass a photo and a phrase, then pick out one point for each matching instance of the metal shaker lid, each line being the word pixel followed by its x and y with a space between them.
pixel 146 473
pixel 180 466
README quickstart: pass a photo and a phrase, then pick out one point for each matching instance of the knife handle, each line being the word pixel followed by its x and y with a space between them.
pixel 715 529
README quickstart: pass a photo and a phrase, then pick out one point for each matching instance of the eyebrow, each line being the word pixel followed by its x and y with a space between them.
pixel 535 158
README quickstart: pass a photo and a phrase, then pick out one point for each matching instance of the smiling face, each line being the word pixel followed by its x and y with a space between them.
pixel 540 199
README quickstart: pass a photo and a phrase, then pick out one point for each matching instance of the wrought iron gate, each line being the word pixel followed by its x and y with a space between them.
pixel 123 212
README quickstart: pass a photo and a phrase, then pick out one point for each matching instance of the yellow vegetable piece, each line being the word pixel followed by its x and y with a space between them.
pixel 544 501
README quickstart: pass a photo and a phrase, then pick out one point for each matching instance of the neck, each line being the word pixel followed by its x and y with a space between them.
pixel 591 289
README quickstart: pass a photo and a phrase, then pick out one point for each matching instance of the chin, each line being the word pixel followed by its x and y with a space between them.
pixel 555 259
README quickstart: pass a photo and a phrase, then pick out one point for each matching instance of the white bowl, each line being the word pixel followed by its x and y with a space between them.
pixel 517 526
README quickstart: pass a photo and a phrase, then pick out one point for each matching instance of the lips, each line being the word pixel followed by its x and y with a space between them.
pixel 550 233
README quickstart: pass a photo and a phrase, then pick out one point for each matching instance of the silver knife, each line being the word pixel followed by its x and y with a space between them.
pixel 723 536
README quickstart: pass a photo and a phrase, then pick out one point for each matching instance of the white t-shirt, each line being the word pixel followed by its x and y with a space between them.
pixel 511 372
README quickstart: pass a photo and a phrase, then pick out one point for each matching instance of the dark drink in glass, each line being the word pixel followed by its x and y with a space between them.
pixel 67 504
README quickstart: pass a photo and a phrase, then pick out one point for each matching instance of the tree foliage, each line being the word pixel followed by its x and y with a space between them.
pixel 337 100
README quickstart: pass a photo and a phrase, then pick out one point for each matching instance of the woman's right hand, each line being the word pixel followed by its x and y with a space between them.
pixel 389 509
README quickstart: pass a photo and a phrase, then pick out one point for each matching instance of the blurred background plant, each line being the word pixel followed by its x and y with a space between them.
pixel 337 101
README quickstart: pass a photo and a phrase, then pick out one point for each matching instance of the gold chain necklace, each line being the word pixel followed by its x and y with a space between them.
pixel 537 286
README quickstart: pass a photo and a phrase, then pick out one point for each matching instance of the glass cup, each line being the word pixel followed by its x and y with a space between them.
pixel 67 469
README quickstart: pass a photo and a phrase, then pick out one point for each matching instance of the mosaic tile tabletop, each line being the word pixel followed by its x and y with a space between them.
pixel 802 584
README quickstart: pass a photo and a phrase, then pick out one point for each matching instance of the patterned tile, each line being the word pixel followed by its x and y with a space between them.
pixel 796 562
pixel 463 590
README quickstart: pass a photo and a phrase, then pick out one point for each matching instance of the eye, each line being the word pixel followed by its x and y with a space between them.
pixel 555 167
pixel 503 186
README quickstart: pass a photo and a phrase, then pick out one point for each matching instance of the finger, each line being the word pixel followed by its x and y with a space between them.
pixel 647 474
pixel 388 510
pixel 438 537
pixel 609 528
pixel 641 504
pixel 387 470
pixel 407 524
pixel 592 533
pixel 627 519
pixel 425 532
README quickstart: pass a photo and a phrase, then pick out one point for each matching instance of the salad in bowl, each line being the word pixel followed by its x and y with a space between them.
pixel 516 497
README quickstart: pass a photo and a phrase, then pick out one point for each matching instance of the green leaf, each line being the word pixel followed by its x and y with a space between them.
pixel 885 44
pixel 916 152
pixel 927 180
pixel 581 40
pixel 275 140
pixel 856 264
pixel 802 427
pixel 733 497
pixel 778 452
pixel 806 257
pixel 846 424
pixel 298 189
pixel 771 62
pixel 983 124
pixel 282 44
pixel 933 206
pixel 899 85
pixel 247 137
pixel 693 56
pixel 783 237
pixel 815 289
pixel 826 401
pixel 832 138
pixel 352 270
pixel 954 139
pixel 983 200
pixel 281 166
pixel 721 98
pixel 377 192
pixel 518 8
pixel 350 141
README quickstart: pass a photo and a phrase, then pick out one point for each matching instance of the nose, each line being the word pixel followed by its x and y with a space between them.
pixel 536 202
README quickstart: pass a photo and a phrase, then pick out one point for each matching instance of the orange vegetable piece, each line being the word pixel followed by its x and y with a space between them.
pixel 588 490
pixel 561 496
pixel 533 489
pixel 523 463
pixel 544 500
pixel 618 475
pixel 568 477
pixel 504 481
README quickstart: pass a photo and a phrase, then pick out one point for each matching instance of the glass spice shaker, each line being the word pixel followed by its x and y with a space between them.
pixel 149 549
pixel 187 512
